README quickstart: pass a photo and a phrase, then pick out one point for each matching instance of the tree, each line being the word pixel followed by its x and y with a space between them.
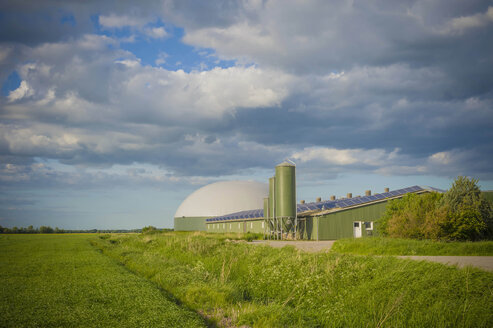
pixel 412 216
pixel 44 229
pixel 149 229
pixel 462 213
pixel 470 213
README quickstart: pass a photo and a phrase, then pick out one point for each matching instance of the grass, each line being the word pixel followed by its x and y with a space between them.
pixel 397 246
pixel 235 284
pixel 62 281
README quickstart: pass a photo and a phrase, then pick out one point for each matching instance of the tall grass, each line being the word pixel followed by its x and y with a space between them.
pixel 61 281
pixel 234 283
pixel 399 246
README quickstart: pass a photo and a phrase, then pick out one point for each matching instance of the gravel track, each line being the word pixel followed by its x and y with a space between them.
pixel 482 262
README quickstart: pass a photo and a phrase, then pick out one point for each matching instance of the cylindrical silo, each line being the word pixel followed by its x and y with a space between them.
pixel 266 208
pixel 272 205
pixel 285 191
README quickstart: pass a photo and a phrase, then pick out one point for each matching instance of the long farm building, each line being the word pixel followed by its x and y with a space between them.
pixel 271 209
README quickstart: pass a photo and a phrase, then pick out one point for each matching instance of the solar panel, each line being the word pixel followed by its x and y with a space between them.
pixel 328 204
pixel 358 200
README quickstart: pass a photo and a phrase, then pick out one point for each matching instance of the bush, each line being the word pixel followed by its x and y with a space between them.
pixel 470 213
pixel 413 216
pixel 462 213
pixel 149 229
pixel 44 229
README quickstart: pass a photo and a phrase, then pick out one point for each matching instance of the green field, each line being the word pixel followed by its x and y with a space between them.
pixel 137 280
pixel 62 281
pixel 397 246
pixel 260 286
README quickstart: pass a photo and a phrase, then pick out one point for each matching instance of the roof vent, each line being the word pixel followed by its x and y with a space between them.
pixel 386 190
pixel 332 197
pixel 368 193
pixel 302 201
pixel 349 195
pixel 319 199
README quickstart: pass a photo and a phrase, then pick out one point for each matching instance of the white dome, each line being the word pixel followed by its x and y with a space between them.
pixel 222 198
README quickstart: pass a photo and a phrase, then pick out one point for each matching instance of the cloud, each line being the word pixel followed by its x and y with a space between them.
pixel 156 32
pixel 161 58
pixel 332 156
pixel 21 92
pixel 336 85
pixel 460 25
pixel 119 21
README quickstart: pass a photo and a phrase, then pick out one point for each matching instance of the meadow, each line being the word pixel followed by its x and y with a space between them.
pixel 62 281
pixel 234 284
pixel 400 246
pixel 178 279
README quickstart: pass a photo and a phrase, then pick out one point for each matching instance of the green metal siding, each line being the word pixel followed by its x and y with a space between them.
pixel 190 224
pixel 254 225
pixel 340 224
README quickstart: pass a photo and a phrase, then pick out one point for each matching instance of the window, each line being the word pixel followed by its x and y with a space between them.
pixel 230 226
pixel 263 224
pixel 369 225
pixel 356 224
pixel 251 225
pixel 239 225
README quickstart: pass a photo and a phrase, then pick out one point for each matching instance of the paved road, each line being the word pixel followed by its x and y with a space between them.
pixel 482 262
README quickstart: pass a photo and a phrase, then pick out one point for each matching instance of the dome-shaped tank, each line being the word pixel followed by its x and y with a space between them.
pixel 218 199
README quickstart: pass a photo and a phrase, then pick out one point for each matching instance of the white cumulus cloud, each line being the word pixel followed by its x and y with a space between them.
pixel 23 91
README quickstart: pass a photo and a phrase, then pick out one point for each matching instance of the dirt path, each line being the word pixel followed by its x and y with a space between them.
pixel 482 262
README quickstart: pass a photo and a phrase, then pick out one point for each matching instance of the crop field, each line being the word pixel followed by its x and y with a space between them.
pixel 62 281
pixel 178 279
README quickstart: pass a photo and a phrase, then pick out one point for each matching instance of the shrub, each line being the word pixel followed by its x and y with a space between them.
pixel 413 216
pixel 149 229
pixel 471 214
pixel 44 229
pixel 462 213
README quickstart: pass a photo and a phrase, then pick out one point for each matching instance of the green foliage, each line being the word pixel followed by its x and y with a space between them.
pixel 149 229
pixel 235 284
pixel 470 213
pixel 44 229
pixel 462 213
pixel 62 281
pixel 399 246
pixel 412 216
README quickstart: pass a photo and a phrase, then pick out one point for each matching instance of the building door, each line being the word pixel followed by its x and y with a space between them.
pixel 357 229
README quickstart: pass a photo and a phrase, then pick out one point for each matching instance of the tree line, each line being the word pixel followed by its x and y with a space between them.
pixel 47 229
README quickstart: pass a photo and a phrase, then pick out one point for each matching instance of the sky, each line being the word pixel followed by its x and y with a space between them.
pixel 112 112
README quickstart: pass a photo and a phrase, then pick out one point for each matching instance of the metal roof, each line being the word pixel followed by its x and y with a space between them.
pixel 328 204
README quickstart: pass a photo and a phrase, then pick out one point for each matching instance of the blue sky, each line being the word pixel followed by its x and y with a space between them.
pixel 112 113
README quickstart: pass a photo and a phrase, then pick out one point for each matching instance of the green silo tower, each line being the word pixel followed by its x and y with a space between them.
pixel 272 205
pixel 266 208
pixel 285 191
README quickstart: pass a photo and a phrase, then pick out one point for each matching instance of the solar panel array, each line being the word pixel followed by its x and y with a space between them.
pixel 250 214
pixel 324 205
